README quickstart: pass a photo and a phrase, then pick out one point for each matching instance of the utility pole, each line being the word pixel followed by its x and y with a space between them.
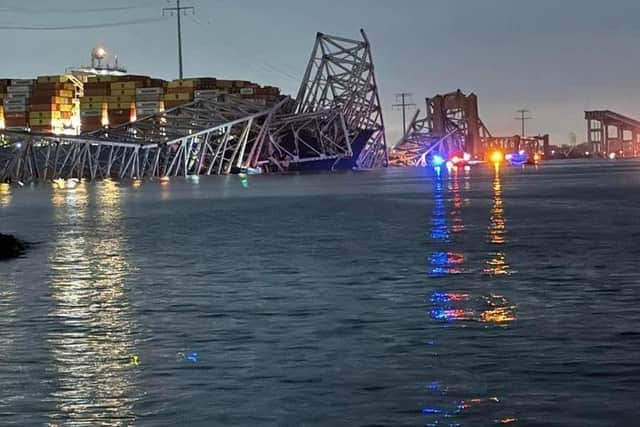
pixel 178 11
pixel 523 117
pixel 404 105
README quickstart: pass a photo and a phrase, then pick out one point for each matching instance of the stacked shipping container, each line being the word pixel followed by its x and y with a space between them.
pixel 4 83
pixel 52 104
pixel 149 100
pixel 16 103
pixel 183 91
pixel 115 100
pixel 94 104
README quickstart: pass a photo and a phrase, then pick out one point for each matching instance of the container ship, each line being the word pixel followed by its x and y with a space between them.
pixel 103 95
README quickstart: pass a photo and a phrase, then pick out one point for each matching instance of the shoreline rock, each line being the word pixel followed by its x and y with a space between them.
pixel 11 247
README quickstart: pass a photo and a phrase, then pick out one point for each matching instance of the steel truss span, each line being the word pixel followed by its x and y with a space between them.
pixel 335 116
pixel 341 75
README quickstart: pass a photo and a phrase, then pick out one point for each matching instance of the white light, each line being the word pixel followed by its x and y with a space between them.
pixel 18 145
pixel 466 157
pixel 612 156
pixel 508 156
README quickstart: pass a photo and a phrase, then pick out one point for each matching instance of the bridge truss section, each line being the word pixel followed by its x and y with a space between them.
pixel 340 75
pixel 207 137
pixel 202 138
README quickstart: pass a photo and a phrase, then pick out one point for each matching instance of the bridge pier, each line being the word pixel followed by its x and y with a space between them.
pixel 609 132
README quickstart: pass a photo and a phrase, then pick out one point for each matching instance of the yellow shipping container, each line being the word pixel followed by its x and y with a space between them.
pixel 60 100
pixel 125 85
pixel 184 96
pixel 119 106
pixel 39 122
pixel 123 92
pixel 66 107
pixel 183 83
pixel 85 106
pixel 121 98
pixel 65 93
pixel 102 79
pixel 45 115
pixel 53 79
pixel 91 99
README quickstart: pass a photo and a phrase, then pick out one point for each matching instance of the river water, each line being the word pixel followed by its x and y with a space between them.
pixel 393 297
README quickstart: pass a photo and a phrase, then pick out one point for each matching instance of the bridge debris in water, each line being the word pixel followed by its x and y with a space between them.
pixel 335 117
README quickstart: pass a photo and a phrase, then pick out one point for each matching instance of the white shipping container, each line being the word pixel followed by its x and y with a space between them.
pixel 17 101
pixel 15 108
pixel 147 112
pixel 21 82
pixel 19 89
pixel 18 96
pixel 148 98
pixel 149 104
pixel 150 91
pixel 258 101
pixel 247 91
pixel 206 93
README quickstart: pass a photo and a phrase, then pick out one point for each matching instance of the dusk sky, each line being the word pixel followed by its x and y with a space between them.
pixel 556 58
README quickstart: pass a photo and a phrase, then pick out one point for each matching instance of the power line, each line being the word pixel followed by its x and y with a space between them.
pixel 178 11
pixel 404 105
pixel 523 118
pixel 69 11
pixel 17 9
pixel 257 60
pixel 79 27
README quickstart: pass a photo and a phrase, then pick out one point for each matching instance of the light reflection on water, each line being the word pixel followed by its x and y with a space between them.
pixel 491 308
pixel 439 217
pixel 497 264
pixel 457 224
pixel 8 323
pixel 92 338
pixel 449 404
pixel 444 263
pixel 5 195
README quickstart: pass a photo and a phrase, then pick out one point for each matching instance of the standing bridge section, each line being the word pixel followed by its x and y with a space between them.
pixel 335 116
pixel 452 125
pixel 610 132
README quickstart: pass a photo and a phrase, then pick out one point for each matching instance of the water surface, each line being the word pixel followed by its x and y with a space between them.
pixel 394 297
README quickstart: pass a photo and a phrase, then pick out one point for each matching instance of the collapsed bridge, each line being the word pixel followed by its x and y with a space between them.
pixel 334 121
pixel 452 125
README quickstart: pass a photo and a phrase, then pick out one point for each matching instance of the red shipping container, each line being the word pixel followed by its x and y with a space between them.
pixel 44 107
pixel 97 92
pixel 41 129
pixel 19 116
pixel 15 123
pixel 97 85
